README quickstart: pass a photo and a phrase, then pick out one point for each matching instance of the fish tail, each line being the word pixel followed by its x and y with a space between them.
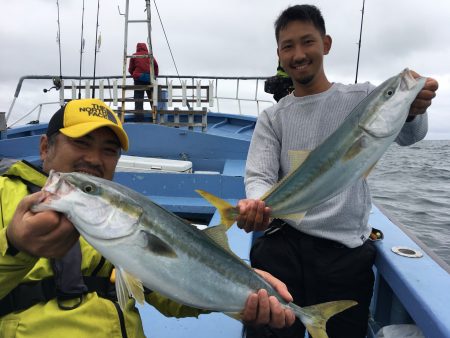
pixel 228 213
pixel 315 317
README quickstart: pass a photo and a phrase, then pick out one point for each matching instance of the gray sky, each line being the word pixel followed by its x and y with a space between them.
pixel 226 38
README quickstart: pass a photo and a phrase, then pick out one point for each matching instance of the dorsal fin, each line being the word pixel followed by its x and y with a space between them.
pixel 217 233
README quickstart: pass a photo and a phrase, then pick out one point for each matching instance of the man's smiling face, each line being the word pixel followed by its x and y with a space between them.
pixel 95 153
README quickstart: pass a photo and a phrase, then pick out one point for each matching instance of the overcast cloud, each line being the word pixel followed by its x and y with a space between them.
pixel 226 38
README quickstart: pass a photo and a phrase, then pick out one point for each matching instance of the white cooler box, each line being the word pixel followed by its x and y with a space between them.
pixel 152 164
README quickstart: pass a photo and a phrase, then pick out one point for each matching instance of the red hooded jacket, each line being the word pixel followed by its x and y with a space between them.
pixel 141 65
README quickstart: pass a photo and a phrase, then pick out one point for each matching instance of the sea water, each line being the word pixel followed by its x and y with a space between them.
pixel 413 185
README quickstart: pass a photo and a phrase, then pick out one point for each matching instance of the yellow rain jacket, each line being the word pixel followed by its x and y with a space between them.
pixel 95 316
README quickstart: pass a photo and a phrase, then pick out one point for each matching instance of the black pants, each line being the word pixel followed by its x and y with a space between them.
pixel 139 95
pixel 315 271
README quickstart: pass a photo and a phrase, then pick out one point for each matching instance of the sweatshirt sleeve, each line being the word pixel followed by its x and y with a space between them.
pixel 263 159
pixel 413 131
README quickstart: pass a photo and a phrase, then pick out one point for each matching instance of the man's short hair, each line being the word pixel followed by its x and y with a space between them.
pixel 306 13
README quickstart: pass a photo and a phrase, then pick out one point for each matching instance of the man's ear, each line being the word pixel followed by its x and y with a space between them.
pixel 43 147
pixel 327 42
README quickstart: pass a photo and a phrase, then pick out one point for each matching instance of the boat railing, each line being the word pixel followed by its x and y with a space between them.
pixel 239 90
pixel 35 111
pixel 225 94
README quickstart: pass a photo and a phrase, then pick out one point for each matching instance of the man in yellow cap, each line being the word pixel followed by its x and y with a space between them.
pixel 52 282
pixel 91 136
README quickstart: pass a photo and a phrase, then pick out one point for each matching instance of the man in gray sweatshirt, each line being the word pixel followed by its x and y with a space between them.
pixel 326 256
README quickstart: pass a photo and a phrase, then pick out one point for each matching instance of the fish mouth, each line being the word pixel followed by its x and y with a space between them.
pixel 408 81
pixel 56 185
pixel 401 89
pixel 47 203
pixel 53 190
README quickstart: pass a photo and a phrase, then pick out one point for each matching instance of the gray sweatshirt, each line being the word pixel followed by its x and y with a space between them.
pixel 302 123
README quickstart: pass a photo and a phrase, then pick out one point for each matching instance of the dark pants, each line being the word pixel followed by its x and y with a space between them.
pixel 315 271
pixel 139 95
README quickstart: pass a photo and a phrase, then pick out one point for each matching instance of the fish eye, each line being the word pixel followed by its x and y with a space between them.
pixel 389 92
pixel 89 188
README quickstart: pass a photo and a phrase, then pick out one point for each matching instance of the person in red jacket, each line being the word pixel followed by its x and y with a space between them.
pixel 139 68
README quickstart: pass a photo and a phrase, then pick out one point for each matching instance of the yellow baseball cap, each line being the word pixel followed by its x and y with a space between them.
pixel 80 117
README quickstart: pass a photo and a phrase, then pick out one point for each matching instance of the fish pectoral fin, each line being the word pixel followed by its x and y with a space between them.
pixel 218 234
pixel 128 285
pixel 228 213
pixel 297 157
pixel 293 217
pixel 157 246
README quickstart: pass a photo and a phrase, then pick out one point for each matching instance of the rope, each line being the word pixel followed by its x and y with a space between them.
pixel 168 44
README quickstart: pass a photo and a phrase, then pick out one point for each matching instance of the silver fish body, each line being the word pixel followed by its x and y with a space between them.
pixel 163 251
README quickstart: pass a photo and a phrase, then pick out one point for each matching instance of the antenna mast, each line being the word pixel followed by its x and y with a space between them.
pixel 359 42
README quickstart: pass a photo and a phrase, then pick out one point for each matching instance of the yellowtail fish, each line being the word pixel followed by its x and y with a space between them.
pixel 152 247
pixel 347 155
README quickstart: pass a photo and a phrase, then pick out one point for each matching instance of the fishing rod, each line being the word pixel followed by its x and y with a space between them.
pixel 359 42
pixel 167 40
pixel 96 49
pixel 81 51
pixel 56 79
pixel 59 43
